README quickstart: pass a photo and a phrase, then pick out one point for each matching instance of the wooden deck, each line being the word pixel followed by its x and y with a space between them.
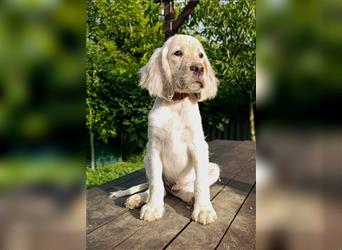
pixel 111 226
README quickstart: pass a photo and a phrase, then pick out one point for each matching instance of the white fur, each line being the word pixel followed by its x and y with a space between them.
pixel 176 148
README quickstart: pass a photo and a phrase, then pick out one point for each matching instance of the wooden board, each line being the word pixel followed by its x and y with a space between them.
pixel 111 226
pixel 100 208
pixel 241 234
pixel 227 204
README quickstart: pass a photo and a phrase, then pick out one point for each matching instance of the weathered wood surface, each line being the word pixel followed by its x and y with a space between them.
pixel 111 226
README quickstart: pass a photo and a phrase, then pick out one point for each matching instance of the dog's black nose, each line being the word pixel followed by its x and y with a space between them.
pixel 197 68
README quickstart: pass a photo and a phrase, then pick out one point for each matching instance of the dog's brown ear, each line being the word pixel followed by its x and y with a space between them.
pixel 156 77
pixel 210 82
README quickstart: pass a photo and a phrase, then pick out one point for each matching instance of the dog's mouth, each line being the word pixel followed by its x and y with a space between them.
pixel 184 89
pixel 200 83
pixel 193 87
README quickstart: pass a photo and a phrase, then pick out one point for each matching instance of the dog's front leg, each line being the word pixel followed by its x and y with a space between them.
pixel 154 209
pixel 204 212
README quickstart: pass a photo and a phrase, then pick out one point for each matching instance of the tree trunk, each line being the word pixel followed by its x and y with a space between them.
pixel 172 26
pixel 168 15
pixel 92 150
pixel 251 119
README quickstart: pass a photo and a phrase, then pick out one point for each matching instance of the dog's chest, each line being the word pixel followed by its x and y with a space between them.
pixel 176 128
pixel 179 135
pixel 179 128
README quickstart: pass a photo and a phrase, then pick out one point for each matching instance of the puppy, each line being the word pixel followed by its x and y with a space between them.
pixel 179 75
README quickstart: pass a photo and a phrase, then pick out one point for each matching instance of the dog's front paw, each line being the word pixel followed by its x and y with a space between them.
pixel 151 212
pixel 204 215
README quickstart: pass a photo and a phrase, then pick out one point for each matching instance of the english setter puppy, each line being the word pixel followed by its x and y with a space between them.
pixel 179 75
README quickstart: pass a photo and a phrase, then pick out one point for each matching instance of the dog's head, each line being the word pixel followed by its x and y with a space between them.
pixel 181 65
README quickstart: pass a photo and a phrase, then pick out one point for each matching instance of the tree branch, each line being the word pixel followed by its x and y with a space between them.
pixel 172 26
pixel 184 15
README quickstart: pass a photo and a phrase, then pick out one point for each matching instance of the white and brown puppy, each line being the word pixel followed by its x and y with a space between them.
pixel 179 75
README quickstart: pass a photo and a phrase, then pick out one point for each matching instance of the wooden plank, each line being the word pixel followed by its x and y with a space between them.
pixel 129 183
pixel 121 183
pixel 196 236
pixel 115 233
pixel 158 234
pixel 227 203
pixel 220 147
pixel 101 209
pixel 243 152
pixel 177 216
pixel 241 234
pixel 246 150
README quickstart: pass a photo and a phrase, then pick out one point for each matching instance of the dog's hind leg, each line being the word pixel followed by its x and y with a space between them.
pixel 137 200
pixel 186 191
pixel 214 173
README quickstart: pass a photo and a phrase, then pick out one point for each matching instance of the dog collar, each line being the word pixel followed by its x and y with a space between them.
pixel 180 96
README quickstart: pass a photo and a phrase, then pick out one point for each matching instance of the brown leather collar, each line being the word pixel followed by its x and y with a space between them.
pixel 180 96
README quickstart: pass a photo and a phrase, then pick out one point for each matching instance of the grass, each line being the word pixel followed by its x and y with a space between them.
pixel 32 170
pixel 113 171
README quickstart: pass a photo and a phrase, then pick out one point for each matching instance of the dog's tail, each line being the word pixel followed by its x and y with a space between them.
pixel 129 191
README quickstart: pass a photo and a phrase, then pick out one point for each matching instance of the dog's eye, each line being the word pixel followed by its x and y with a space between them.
pixel 201 55
pixel 178 53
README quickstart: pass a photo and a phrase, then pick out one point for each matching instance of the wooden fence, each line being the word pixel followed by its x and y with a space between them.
pixel 237 129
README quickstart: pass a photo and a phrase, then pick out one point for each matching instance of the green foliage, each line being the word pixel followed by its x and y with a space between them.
pixel 112 171
pixel 26 170
pixel 41 73
pixel 227 30
pixel 121 35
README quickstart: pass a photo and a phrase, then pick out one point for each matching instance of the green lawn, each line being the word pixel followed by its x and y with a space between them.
pixel 112 171
pixel 24 171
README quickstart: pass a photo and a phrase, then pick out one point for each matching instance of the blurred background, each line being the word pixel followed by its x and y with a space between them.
pixel 47 119
pixel 42 110
pixel 299 134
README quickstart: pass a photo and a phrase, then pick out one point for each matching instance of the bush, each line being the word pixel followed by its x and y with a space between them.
pixel 121 36
pixel 112 171
pixel 227 30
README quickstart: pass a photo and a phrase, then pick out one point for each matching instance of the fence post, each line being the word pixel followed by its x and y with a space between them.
pixel 251 119
pixel 92 150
